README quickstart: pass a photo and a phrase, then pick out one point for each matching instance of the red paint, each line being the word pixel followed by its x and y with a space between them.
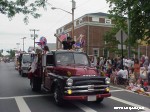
pixel 84 97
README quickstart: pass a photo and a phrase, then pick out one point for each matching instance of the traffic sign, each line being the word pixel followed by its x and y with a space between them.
pixel 124 46
pixel 118 36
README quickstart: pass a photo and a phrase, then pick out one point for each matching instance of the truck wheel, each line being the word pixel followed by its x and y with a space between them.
pixel 22 74
pixel 36 84
pixel 58 96
pixel 99 100
pixel 19 72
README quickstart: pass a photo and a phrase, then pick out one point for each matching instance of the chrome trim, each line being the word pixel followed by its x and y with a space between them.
pixel 89 90
pixel 85 86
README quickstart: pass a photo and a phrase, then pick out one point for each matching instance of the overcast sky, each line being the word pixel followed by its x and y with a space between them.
pixel 12 31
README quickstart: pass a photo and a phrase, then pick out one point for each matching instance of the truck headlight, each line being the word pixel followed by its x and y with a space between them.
pixel 107 80
pixel 107 89
pixel 69 82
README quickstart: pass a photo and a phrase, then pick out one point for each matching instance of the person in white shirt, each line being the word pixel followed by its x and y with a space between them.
pixel 123 75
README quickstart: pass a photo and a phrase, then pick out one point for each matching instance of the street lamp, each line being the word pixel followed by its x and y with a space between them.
pixel 72 13
pixel 23 42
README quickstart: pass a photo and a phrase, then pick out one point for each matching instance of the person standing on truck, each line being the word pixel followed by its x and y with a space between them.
pixel 36 62
pixel 67 44
pixel 80 43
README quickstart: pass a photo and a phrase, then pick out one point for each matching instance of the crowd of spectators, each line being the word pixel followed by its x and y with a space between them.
pixel 129 72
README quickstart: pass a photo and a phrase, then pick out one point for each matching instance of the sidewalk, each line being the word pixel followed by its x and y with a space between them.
pixel 139 91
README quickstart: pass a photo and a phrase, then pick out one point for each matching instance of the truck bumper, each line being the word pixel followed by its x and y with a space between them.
pixel 85 97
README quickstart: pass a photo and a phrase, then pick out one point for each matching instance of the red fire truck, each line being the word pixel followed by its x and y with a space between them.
pixel 70 76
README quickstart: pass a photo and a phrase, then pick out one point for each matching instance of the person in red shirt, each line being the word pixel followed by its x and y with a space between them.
pixel 136 69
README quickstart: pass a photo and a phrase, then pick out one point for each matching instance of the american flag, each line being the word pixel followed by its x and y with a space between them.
pixel 63 36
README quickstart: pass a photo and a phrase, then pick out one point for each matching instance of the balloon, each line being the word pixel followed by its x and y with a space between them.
pixel 43 41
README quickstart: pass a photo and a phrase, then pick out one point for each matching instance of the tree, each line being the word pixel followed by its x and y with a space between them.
pixel 11 53
pixel 26 7
pixel 138 12
pixel 1 54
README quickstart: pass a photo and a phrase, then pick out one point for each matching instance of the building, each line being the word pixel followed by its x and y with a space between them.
pixel 93 26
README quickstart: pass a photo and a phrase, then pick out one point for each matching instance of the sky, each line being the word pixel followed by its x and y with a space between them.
pixel 12 31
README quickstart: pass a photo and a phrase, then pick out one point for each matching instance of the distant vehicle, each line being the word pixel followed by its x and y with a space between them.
pixel 24 63
pixel 6 60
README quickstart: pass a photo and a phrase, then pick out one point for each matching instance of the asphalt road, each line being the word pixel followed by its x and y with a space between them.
pixel 16 96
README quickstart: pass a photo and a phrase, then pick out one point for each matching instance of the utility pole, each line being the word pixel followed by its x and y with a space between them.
pixel 23 43
pixel 73 8
pixel 129 24
pixel 72 13
pixel 34 35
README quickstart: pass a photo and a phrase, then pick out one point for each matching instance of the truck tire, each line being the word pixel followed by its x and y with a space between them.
pixel 22 74
pixel 99 100
pixel 36 84
pixel 58 97
pixel 19 72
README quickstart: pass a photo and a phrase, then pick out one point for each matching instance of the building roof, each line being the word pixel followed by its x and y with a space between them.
pixel 98 14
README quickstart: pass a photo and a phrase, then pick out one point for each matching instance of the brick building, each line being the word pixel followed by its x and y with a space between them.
pixel 93 26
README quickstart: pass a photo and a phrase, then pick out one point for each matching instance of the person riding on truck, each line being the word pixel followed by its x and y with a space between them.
pixel 67 44
pixel 36 66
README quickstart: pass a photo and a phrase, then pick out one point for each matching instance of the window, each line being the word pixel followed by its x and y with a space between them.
pixel 60 30
pixel 96 19
pixel 64 58
pixel 107 21
pixel 80 20
pixel 26 58
pixel 96 51
pixel 105 52
pixel 81 59
pixel 49 60
pixel 72 59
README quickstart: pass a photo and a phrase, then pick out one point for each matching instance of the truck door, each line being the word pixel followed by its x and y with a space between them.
pixel 48 69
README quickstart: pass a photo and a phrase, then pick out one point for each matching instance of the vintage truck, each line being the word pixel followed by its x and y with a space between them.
pixel 69 76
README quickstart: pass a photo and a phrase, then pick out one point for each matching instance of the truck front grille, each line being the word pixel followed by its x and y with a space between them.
pixel 87 86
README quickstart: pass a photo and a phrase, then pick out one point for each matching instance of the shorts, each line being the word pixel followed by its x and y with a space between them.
pixel 136 75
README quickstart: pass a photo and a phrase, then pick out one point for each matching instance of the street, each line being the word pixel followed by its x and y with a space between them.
pixel 17 96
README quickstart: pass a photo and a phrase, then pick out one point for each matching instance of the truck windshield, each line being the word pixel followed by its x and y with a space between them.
pixel 72 58
pixel 26 58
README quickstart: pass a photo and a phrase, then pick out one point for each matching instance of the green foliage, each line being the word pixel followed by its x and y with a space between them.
pixel 138 12
pixel 11 53
pixel 1 54
pixel 26 7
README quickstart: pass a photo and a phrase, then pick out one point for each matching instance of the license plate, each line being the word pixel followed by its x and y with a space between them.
pixel 91 98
